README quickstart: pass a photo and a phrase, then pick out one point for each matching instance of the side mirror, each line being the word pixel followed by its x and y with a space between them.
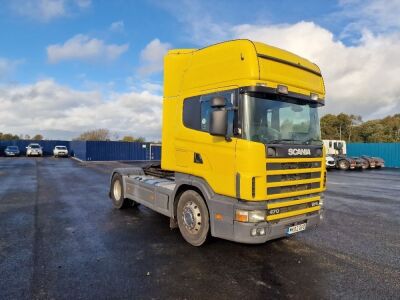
pixel 218 117
pixel 218 122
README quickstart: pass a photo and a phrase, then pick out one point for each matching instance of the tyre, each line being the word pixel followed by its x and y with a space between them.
pixel 117 193
pixel 343 165
pixel 193 218
pixel 365 165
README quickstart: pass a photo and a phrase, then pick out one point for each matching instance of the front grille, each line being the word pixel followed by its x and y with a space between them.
pixel 292 188
pixel 286 209
pixel 293 165
pixel 290 177
pixel 282 201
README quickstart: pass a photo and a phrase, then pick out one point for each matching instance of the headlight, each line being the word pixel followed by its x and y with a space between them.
pixel 271 152
pixel 252 216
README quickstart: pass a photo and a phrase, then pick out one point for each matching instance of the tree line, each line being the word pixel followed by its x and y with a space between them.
pixel 103 134
pixel 13 137
pixel 352 128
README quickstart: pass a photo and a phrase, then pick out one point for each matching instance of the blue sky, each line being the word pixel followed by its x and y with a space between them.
pixel 87 63
pixel 28 36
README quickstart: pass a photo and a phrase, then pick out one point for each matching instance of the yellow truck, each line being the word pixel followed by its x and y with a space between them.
pixel 242 156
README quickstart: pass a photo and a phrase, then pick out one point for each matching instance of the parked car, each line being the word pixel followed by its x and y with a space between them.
pixel 371 161
pixel 330 162
pixel 11 151
pixel 379 162
pixel 60 151
pixel 345 163
pixel 34 149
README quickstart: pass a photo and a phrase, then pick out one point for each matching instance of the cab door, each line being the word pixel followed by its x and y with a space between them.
pixel 201 154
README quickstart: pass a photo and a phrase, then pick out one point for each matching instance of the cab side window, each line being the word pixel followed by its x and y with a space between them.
pixel 197 110
pixel 191 113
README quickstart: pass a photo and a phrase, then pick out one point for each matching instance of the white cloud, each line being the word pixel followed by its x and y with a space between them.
pixel 377 16
pixel 42 10
pixel 47 106
pixel 197 20
pixel 8 67
pixel 360 79
pixel 117 26
pixel 83 47
pixel 47 10
pixel 151 57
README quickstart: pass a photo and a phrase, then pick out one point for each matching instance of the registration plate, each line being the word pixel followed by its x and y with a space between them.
pixel 296 228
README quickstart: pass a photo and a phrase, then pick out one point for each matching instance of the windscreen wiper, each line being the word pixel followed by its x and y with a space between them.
pixel 280 141
pixel 309 141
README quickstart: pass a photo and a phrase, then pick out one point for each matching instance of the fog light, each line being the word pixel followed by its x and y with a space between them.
pixel 253 232
pixel 261 231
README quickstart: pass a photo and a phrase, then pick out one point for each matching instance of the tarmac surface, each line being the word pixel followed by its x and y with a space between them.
pixel 60 238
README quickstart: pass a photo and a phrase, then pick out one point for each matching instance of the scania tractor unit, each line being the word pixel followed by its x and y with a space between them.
pixel 242 157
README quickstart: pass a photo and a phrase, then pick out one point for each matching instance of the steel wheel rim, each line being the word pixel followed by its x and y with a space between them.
pixel 191 217
pixel 117 190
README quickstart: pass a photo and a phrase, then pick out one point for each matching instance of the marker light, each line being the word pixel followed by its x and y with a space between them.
pixel 314 96
pixel 283 89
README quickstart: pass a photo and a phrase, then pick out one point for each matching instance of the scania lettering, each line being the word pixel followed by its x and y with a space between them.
pixel 299 151
pixel 242 157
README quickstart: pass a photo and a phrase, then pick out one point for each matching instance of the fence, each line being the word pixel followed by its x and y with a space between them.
pixel 93 150
pixel 390 152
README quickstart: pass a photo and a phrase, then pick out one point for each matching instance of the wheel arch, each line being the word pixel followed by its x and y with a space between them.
pixel 188 182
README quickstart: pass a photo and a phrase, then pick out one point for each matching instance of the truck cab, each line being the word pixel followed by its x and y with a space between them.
pixel 242 156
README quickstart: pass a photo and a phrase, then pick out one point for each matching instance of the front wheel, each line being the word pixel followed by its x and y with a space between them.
pixel 117 193
pixel 344 165
pixel 193 218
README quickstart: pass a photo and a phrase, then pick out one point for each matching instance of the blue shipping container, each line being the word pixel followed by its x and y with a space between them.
pixel 390 152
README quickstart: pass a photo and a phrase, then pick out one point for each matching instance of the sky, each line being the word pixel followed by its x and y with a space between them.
pixel 67 66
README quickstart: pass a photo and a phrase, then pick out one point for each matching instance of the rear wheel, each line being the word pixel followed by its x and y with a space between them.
pixel 117 193
pixel 343 165
pixel 193 218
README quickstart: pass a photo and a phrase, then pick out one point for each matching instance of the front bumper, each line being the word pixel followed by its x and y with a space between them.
pixel 11 154
pixel 227 228
pixel 34 154
pixel 273 230
pixel 60 154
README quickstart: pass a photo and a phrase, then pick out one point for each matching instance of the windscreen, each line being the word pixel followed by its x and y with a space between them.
pixel 35 146
pixel 273 119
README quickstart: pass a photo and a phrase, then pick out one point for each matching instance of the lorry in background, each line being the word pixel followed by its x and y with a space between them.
pixel 337 149
pixel 242 156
